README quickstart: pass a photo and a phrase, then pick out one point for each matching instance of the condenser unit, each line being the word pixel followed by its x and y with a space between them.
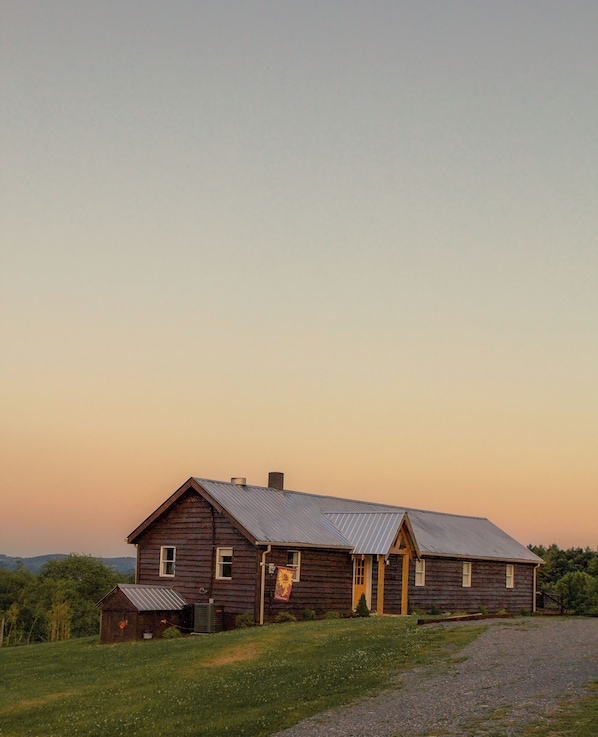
pixel 208 617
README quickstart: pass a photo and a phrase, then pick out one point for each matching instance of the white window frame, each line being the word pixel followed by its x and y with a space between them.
pixel 420 572
pixel 167 563
pixel 510 576
pixel 466 574
pixel 294 562
pixel 221 554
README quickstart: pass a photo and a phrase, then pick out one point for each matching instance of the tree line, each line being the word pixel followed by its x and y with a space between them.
pixel 570 574
pixel 57 603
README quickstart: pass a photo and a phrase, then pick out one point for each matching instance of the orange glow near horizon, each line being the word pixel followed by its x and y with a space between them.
pixel 230 245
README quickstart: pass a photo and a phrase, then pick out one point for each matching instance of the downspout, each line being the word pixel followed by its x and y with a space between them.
pixel 263 582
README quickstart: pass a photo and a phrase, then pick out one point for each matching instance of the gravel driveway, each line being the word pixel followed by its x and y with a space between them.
pixel 517 671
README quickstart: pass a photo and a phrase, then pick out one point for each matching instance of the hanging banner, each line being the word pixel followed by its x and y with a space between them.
pixel 284 584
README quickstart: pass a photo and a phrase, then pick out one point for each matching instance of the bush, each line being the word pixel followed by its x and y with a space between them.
pixel 170 633
pixel 244 620
pixel 362 607
pixel 483 610
pixel 285 617
pixel 332 615
pixel 308 614
pixel 435 610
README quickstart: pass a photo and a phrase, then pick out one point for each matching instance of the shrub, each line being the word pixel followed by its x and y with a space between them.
pixel 244 620
pixel 362 607
pixel 435 610
pixel 483 610
pixel 332 615
pixel 308 614
pixel 285 617
pixel 171 632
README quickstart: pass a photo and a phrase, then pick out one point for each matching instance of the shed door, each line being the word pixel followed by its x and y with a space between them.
pixel 362 576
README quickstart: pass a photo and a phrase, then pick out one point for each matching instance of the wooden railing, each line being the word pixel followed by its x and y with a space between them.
pixel 548 601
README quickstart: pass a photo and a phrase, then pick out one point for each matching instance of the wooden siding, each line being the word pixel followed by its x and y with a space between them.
pixel 444 589
pixel 121 622
pixel 393 580
pixel 326 582
pixel 196 529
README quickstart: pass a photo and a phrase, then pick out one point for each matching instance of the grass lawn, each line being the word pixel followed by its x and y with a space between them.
pixel 250 682
pixel 576 719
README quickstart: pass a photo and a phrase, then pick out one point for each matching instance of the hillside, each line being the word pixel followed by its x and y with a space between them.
pixel 124 565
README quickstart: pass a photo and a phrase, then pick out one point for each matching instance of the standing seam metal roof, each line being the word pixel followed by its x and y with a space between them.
pixel 152 598
pixel 371 533
pixel 296 518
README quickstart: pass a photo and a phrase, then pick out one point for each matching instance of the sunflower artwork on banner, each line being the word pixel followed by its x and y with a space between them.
pixel 284 584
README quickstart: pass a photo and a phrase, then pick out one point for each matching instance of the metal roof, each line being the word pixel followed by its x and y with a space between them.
pixel 371 533
pixel 296 518
pixel 152 598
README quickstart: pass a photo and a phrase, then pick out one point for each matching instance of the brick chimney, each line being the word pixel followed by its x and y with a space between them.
pixel 276 480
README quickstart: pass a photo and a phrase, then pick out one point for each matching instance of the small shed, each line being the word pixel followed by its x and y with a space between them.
pixel 136 612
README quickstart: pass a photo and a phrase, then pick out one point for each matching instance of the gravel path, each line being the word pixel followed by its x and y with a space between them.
pixel 515 672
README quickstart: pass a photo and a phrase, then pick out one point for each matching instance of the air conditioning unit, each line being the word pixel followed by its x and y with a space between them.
pixel 208 617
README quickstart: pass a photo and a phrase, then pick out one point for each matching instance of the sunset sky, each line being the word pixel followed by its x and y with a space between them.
pixel 356 242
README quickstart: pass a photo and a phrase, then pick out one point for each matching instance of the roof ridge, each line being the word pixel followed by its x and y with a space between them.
pixel 347 499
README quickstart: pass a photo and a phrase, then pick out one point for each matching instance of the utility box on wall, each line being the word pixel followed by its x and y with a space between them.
pixel 208 617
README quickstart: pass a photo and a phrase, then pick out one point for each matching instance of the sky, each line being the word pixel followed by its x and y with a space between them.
pixel 353 242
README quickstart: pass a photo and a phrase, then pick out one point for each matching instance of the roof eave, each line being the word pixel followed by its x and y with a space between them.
pixel 288 543
pixel 465 556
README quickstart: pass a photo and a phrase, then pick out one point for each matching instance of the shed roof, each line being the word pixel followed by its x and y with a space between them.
pixel 149 598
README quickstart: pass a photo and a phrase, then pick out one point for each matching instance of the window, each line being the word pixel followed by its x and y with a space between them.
pixel 359 572
pixel 224 563
pixel 167 559
pixel 510 575
pixel 420 572
pixel 294 562
pixel 466 574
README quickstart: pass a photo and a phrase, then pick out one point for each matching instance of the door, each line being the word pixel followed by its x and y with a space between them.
pixel 362 569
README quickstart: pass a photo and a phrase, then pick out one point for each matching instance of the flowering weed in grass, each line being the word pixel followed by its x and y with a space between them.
pixel 249 682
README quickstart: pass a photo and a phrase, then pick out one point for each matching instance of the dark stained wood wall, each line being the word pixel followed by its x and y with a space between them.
pixel 444 589
pixel 326 583
pixel 196 529
pixel 117 610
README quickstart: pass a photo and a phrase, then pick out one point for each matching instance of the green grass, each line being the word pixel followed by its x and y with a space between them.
pixel 249 682
pixel 573 719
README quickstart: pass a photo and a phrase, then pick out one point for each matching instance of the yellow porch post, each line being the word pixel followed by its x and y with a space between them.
pixel 405 584
pixel 380 595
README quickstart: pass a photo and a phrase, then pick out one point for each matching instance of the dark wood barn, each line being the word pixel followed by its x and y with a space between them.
pixel 134 612
pixel 232 543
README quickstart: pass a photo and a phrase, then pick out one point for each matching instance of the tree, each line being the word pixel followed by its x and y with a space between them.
pixel 578 592
pixel 80 581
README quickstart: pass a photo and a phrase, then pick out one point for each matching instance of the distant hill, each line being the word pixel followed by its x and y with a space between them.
pixel 123 565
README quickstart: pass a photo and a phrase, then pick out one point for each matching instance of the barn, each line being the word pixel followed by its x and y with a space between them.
pixel 263 550
pixel 134 612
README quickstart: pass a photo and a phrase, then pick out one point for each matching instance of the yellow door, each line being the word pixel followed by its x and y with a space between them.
pixel 361 578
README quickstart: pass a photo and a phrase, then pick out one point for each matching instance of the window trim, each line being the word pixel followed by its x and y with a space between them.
pixel 165 561
pixel 466 582
pixel 420 575
pixel 510 576
pixel 295 566
pixel 220 563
